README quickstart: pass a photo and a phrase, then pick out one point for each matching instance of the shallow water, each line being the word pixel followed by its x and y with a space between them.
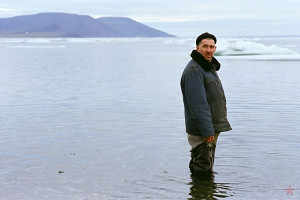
pixel 103 119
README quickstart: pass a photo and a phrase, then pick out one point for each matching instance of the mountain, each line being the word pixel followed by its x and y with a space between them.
pixel 73 25
pixel 126 27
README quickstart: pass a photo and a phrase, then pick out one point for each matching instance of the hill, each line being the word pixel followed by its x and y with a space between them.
pixel 73 25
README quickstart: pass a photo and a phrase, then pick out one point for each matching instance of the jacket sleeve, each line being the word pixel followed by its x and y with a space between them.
pixel 196 100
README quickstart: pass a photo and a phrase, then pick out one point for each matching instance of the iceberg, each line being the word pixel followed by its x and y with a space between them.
pixel 229 47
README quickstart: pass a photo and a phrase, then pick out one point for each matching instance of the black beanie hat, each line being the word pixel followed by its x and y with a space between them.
pixel 204 36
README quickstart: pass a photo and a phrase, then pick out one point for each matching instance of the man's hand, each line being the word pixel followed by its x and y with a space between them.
pixel 209 139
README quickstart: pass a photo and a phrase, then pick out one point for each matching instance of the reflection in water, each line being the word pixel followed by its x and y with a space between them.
pixel 204 187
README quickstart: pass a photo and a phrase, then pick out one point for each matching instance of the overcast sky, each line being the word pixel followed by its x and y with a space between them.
pixel 181 18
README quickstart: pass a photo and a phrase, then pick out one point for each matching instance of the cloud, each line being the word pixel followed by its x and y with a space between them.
pixel 180 11
pixel 8 12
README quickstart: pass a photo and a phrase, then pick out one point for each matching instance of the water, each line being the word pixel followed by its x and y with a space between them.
pixel 103 119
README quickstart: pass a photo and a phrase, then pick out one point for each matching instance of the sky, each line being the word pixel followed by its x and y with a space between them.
pixel 181 18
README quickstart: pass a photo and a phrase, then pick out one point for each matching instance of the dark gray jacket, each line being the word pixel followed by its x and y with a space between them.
pixel 203 97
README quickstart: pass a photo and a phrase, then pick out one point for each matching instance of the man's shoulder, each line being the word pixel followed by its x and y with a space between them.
pixel 193 66
pixel 192 70
pixel 192 62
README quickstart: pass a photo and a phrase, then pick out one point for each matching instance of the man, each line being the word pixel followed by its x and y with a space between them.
pixel 204 104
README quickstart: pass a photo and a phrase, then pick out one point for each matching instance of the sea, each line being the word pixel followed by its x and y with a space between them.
pixel 102 119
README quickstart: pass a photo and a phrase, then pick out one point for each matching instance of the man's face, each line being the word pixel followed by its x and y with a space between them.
pixel 207 48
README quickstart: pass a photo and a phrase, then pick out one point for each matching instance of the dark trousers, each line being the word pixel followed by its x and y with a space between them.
pixel 202 158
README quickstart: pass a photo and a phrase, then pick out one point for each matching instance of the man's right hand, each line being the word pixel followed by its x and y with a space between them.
pixel 209 138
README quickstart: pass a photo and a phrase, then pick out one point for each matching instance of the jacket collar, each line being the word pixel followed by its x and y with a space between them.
pixel 206 65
